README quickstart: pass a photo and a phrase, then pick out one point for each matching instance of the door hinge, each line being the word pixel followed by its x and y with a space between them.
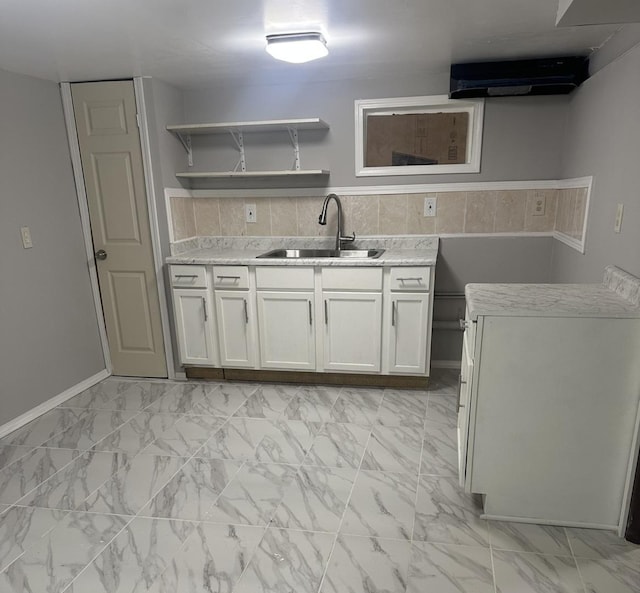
pixel 138 120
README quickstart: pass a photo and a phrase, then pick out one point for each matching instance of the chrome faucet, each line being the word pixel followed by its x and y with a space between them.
pixel 322 219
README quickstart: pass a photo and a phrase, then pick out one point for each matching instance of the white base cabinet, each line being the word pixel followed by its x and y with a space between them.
pixel 286 326
pixel 408 338
pixel 235 312
pixel 352 331
pixel 195 326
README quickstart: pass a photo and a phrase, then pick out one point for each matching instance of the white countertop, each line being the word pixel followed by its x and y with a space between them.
pixel 548 300
pixel 248 257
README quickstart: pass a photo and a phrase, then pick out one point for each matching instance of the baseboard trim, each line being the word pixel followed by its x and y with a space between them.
pixel 352 379
pixel 445 364
pixel 44 407
pixel 538 521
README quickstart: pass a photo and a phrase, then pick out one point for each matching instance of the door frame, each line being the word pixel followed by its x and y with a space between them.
pixel 83 205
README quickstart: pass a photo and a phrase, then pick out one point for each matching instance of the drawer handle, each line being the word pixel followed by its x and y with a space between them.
pixel 417 279
pixel 326 313
pixel 204 308
pixel 310 315
pixel 228 277
pixel 186 275
pixel 246 311
pixel 393 313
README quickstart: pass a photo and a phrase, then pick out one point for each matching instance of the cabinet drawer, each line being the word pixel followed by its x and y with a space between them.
pixel 410 279
pixel 352 278
pixel 230 277
pixel 284 278
pixel 188 276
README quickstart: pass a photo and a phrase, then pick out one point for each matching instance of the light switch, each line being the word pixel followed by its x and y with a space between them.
pixel 27 243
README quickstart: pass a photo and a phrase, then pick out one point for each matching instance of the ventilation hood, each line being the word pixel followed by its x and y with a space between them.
pixel 544 76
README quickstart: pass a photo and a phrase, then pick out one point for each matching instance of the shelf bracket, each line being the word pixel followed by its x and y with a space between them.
pixel 239 140
pixel 186 142
pixel 293 135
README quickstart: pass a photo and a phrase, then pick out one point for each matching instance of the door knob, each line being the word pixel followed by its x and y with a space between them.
pixel 101 254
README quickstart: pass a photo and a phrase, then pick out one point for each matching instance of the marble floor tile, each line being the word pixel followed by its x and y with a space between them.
pixel 253 495
pixel 92 427
pixel 357 406
pixel 287 561
pixel 268 401
pixel 126 492
pixel 534 573
pixel 450 569
pixel 443 409
pixel 21 527
pixel 367 565
pixel 402 408
pixel 316 499
pixel 224 400
pixel 338 445
pixel 181 399
pixel 99 395
pixel 44 427
pixel 394 449
pixel 139 395
pixel 211 561
pixel 135 559
pixel 11 453
pixel 312 404
pixel 186 436
pixel 609 576
pixel 445 514
pixel 605 545
pixel 30 471
pixel 526 537
pixel 440 450
pixel 236 439
pixel 382 505
pixel 287 441
pixel 443 381
pixel 138 433
pixel 52 562
pixel 74 483
pixel 192 491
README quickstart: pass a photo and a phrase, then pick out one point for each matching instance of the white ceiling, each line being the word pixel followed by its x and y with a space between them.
pixel 197 42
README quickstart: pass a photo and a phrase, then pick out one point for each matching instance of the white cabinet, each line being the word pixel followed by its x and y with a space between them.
pixel 464 400
pixel 236 322
pixel 194 326
pixel 352 331
pixel 409 333
pixel 286 324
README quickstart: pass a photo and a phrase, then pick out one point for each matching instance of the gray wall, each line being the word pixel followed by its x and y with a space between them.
pixel 603 140
pixel 49 337
pixel 522 135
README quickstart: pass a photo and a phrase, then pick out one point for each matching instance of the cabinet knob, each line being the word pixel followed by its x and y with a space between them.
pixel 101 254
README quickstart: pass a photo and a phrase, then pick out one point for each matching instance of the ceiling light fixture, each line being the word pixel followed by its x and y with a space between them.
pixel 297 48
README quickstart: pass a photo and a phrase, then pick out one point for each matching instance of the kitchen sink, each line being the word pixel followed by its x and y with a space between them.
pixel 317 253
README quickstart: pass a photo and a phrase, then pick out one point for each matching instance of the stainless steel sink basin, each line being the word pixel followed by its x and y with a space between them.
pixel 317 253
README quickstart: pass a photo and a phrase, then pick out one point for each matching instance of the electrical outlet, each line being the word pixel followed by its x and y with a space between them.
pixel 430 206
pixel 618 225
pixel 27 243
pixel 539 205
pixel 250 213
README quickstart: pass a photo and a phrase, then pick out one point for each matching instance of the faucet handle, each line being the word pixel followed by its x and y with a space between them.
pixel 348 239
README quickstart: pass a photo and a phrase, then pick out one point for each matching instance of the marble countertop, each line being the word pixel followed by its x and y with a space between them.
pixel 548 300
pixel 248 257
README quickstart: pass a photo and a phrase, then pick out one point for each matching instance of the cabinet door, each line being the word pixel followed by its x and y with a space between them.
pixel 235 328
pixel 195 327
pixel 286 330
pixel 352 331
pixel 409 333
pixel 464 409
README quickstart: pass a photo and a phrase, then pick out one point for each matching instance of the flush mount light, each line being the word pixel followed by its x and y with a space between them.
pixel 297 48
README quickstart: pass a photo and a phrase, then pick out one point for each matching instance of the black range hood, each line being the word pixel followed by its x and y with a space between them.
pixel 544 76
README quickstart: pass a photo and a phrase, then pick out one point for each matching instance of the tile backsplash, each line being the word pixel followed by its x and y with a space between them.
pixel 491 211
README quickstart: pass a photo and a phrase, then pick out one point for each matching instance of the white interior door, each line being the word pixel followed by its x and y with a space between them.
pixel 106 121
